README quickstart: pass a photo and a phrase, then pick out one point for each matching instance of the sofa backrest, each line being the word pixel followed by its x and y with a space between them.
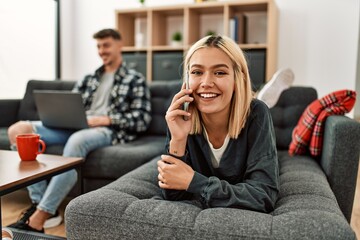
pixel 287 112
pixel 162 93
pixel 161 96
pixel 27 109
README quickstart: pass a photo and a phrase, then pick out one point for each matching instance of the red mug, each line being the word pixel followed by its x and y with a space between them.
pixel 28 146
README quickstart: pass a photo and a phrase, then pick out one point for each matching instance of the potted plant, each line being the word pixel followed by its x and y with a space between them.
pixel 176 39
pixel 211 33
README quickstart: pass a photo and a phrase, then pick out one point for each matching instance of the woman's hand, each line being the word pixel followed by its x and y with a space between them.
pixel 179 128
pixel 174 173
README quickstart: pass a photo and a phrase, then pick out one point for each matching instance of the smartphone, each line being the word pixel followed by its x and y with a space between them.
pixel 186 104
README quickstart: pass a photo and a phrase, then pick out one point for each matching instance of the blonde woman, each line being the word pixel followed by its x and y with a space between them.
pixel 220 153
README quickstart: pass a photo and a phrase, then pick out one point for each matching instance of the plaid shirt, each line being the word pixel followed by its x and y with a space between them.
pixel 129 107
pixel 308 134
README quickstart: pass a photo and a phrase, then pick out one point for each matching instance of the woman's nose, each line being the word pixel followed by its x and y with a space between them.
pixel 207 80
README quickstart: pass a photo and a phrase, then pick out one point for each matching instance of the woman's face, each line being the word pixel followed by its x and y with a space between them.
pixel 211 77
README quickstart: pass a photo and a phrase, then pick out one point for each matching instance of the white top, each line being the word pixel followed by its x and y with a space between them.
pixel 216 153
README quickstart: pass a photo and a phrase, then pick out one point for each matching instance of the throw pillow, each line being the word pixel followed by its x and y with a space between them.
pixel 307 136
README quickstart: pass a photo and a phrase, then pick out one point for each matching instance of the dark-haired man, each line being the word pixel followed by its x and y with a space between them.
pixel 118 106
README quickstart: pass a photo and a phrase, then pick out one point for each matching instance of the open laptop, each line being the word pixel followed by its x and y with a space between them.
pixel 60 109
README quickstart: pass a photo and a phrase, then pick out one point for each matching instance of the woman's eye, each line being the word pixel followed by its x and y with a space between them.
pixel 220 73
pixel 196 72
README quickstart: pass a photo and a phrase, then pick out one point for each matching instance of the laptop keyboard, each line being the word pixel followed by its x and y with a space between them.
pixel 28 235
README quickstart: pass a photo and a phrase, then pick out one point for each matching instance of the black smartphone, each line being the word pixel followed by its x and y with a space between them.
pixel 186 104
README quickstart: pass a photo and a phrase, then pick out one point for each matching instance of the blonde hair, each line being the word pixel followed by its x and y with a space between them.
pixel 242 97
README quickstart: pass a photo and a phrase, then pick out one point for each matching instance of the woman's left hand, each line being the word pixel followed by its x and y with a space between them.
pixel 174 173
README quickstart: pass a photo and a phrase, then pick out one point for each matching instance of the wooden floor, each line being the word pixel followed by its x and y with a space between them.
pixel 13 204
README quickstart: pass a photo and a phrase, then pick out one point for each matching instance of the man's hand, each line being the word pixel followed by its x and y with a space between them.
pixel 174 173
pixel 98 121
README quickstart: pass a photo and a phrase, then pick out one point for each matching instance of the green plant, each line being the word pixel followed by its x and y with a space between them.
pixel 177 36
pixel 142 1
pixel 211 33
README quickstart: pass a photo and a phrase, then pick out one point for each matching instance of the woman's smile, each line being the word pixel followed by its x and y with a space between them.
pixel 208 96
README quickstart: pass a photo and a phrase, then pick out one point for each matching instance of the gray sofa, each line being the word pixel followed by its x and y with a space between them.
pixel 103 165
pixel 315 200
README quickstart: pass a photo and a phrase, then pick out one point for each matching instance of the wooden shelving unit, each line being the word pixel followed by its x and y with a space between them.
pixel 193 20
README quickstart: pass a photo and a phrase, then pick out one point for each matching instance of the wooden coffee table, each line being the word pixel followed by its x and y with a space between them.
pixel 16 174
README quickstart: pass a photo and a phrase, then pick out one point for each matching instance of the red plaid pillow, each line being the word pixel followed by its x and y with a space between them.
pixel 308 133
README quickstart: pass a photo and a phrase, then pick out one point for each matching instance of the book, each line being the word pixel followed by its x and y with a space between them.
pixel 234 26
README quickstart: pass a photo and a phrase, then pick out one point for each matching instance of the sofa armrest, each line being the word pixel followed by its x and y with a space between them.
pixel 9 109
pixel 340 159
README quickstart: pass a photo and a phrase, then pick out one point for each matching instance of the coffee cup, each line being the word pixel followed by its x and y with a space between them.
pixel 28 146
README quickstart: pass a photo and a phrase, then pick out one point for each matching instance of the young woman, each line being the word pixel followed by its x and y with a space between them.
pixel 224 155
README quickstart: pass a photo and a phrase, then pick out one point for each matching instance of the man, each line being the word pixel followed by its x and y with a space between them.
pixel 118 106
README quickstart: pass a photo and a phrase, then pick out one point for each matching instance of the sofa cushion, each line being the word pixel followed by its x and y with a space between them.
pixel 287 111
pixel 131 208
pixel 55 149
pixel 9 109
pixel 114 161
pixel 4 140
pixel 27 110
pixel 303 186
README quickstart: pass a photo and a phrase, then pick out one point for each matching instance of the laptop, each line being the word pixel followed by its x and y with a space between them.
pixel 60 109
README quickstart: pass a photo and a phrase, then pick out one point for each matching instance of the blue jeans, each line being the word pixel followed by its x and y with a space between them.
pixel 49 196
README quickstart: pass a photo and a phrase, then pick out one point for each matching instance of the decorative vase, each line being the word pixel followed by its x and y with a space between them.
pixel 176 43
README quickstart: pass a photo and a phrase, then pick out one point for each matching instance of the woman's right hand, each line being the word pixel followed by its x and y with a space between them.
pixel 179 128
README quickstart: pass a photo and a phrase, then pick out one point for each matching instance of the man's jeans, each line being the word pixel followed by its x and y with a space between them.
pixel 48 196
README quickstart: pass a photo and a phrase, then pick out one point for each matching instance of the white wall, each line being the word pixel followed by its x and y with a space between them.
pixel 318 39
pixel 67 39
pixel 27 44
pixel 357 103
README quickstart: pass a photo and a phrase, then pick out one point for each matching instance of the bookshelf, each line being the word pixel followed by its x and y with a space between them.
pixel 147 31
